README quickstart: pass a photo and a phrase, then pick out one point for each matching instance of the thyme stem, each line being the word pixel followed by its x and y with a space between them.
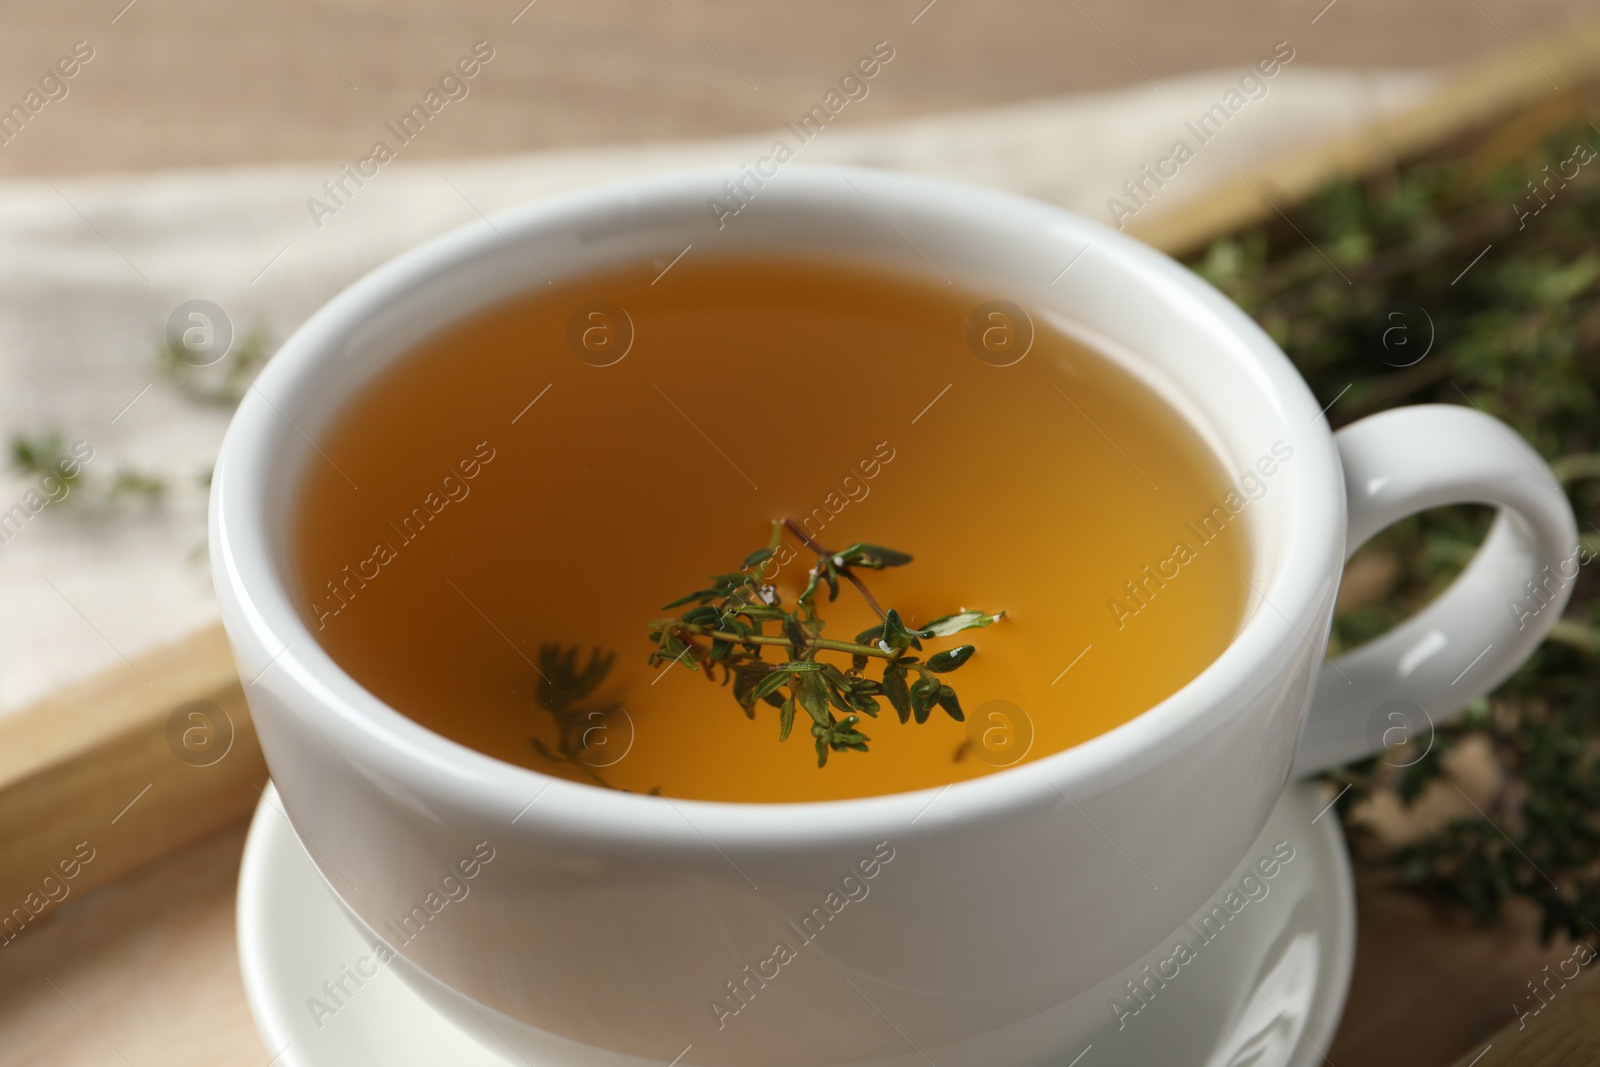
pixel 812 643
pixel 861 587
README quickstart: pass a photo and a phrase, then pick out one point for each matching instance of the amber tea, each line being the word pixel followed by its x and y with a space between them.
pixel 538 481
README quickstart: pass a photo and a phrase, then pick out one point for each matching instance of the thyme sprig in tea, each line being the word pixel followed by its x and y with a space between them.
pixel 736 619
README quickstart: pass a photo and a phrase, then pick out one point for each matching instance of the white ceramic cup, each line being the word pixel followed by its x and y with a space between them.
pixel 608 926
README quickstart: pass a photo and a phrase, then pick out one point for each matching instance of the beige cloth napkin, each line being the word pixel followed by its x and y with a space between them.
pixel 90 270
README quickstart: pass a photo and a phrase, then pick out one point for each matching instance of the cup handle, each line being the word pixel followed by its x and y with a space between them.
pixel 1490 619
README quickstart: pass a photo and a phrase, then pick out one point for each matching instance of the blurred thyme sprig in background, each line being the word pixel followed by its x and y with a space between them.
pixel 1467 278
pixel 222 384
pixel 46 456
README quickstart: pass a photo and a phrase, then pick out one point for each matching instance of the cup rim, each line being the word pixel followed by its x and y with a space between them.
pixel 279 655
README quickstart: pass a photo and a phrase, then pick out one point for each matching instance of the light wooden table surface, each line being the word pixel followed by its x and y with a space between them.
pixel 187 83
pixel 144 971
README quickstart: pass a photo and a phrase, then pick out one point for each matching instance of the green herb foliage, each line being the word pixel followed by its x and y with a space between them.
pixel 738 617
pixel 224 384
pixel 45 455
pixel 1374 293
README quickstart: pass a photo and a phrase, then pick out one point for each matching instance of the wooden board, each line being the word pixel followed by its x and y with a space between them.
pixel 1544 82
pixel 92 783
pixel 1565 1032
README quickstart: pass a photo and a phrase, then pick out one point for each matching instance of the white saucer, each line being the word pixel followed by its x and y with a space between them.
pixel 1265 990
